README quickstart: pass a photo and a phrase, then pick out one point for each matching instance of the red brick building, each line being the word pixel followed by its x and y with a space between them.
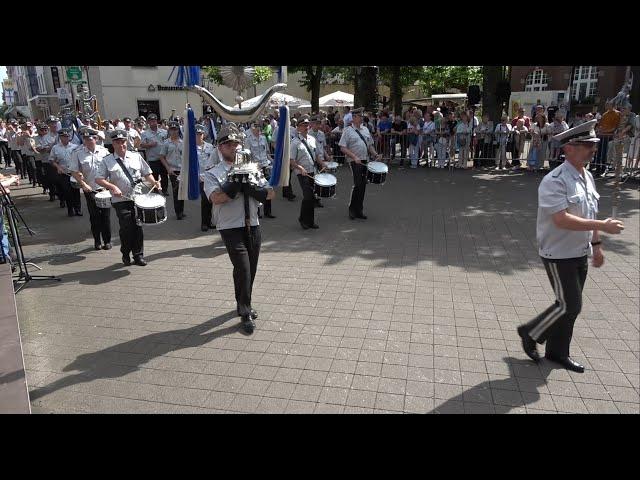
pixel 591 87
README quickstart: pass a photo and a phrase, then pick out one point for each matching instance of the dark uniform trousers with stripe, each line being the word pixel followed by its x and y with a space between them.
pixel 555 324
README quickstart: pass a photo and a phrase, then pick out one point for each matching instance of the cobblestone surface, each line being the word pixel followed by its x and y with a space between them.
pixel 413 310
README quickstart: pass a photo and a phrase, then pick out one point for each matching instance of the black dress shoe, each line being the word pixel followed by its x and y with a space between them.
pixel 139 261
pixel 96 246
pixel 528 344
pixel 315 226
pixel 247 324
pixel 254 314
pixel 566 362
pixel 352 215
pixel 106 246
pixel 268 215
pixel 362 216
pixel 126 260
pixel 303 225
pixel 204 228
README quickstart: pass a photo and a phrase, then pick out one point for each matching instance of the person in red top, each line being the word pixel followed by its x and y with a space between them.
pixel 521 115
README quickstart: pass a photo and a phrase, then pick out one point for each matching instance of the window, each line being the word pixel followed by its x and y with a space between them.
pixel 585 82
pixel 55 76
pixel 42 90
pixel 537 81
pixel 145 107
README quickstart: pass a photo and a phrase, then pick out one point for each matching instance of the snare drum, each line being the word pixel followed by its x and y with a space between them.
pixel 377 172
pixel 332 167
pixel 325 185
pixel 150 209
pixel 103 199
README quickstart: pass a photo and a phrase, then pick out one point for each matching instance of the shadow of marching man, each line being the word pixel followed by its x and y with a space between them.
pixel 127 357
pixel 501 396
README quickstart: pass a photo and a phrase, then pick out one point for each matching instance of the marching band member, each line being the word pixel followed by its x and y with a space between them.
pixel 205 161
pixel 14 149
pixel 28 152
pixel 133 137
pixel 171 158
pixel 60 158
pixel 84 165
pixel 303 159
pixel 43 166
pixel 356 143
pixel 118 173
pixel 239 229
pixel 152 140
pixel 259 147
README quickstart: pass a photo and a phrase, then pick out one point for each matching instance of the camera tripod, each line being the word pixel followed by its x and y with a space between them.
pixel 13 214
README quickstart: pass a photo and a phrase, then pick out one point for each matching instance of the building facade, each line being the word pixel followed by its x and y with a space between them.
pixel 36 93
pixel 580 88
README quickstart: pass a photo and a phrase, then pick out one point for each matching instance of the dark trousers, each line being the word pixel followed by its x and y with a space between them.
pixel 17 160
pixel 600 159
pixel 159 172
pixel 100 219
pixel 307 208
pixel 29 163
pixel 243 246
pixel 178 205
pixel 66 192
pixel 205 207
pixel 50 180
pixel 555 324
pixel 359 186
pixel 287 191
pixel 5 154
pixel 131 238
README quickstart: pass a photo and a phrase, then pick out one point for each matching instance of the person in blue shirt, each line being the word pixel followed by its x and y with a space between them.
pixel 384 127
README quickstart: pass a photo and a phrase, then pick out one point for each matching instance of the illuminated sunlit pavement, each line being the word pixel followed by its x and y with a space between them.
pixel 413 310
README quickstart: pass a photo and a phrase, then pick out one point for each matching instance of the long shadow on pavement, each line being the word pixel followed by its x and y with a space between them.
pixel 119 360
pixel 501 396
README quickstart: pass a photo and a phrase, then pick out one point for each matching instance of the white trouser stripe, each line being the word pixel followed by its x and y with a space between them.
pixel 558 311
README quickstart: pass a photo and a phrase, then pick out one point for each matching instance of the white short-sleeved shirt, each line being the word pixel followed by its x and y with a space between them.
pixel 300 154
pixel 565 189
pixel 230 214
pixel 353 142
pixel 321 142
pixel 205 154
pixel 173 153
pixel 159 136
pixel 259 148
pixel 88 163
pixel 132 134
pixel 111 171
pixel 62 155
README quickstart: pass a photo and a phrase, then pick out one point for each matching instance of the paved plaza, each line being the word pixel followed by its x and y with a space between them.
pixel 414 310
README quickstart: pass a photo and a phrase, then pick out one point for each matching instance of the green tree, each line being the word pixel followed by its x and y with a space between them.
pixel 397 78
pixel 313 75
pixel 437 79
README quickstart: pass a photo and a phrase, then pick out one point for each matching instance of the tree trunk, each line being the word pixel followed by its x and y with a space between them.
pixel 396 90
pixel 314 80
pixel 366 88
pixel 491 75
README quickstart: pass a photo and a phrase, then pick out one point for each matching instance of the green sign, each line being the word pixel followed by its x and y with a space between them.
pixel 74 74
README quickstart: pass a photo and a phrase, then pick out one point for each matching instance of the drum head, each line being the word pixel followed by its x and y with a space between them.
pixel 150 200
pixel 103 194
pixel 325 180
pixel 332 165
pixel 377 167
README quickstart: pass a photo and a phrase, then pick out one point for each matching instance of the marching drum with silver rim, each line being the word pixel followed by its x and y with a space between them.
pixel 103 199
pixel 325 185
pixel 332 167
pixel 150 209
pixel 377 172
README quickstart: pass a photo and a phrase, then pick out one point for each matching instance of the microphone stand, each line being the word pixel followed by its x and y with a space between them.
pixel 23 275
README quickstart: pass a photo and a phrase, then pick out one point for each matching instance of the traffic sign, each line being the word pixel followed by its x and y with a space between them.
pixel 74 74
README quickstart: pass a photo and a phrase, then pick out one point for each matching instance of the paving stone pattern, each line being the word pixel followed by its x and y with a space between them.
pixel 411 311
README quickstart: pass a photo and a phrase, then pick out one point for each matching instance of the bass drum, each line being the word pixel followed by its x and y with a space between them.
pixel 325 185
pixel 377 172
